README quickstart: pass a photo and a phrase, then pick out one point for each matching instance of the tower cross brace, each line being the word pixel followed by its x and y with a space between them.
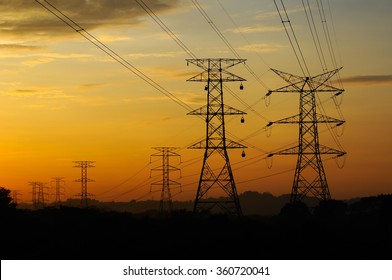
pixel 216 176
pixel 58 186
pixel 38 194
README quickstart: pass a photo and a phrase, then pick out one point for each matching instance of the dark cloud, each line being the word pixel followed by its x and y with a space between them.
pixel 27 18
pixel 369 80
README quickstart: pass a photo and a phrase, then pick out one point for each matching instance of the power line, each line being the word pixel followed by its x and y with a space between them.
pixel 328 37
pixel 126 180
pixel 315 37
pixel 182 45
pixel 297 51
pixel 225 41
pixel 238 29
pixel 156 18
pixel 77 28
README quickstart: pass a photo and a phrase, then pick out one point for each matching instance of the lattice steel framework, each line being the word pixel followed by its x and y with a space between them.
pixel 38 194
pixel 15 196
pixel 84 195
pixel 166 203
pixel 59 185
pixel 309 177
pixel 216 173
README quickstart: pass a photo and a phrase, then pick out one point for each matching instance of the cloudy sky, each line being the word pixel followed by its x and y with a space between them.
pixel 64 99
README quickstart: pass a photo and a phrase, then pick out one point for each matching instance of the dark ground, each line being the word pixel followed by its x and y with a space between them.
pixel 331 230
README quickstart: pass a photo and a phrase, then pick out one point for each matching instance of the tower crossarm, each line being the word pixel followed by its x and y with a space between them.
pixel 214 77
pixel 230 144
pixel 211 63
pixel 298 84
pixel 320 118
pixel 330 151
pixel 322 150
pixel 321 79
pixel 227 110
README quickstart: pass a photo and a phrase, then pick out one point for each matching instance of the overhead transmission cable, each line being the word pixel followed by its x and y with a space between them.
pixel 323 63
pixel 156 18
pixel 95 41
pixel 238 29
pixel 172 35
pixel 296 48
pixel 99 44
pixel 319 49
pixel 328 37
pixel 225 41
pixel 334 32
pixel 182 45
pixel 315 36
pixel 126 180
pixel 300 58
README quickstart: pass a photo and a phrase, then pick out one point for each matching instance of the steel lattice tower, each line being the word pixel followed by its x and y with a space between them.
pixel 38 194
pixel 58 187
pixel 165 203
pixel 15 196
pixel 309 174
pixel 216 175
pixel 84 165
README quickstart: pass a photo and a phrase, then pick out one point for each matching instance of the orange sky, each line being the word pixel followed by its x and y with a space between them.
pixel 63 99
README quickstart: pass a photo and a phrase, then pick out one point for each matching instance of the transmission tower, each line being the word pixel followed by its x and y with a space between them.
pixel 38 194
pixel 84 165
pixel 216 175
pixel 165 203
pixel 309 177
pixel 15 196
pixel 59 185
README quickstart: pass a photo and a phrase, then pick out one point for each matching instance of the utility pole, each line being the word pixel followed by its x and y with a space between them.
pixel 38 194
pixel 216 176
pixel 309 177
pixel 84 165
pixel 166 203
pixel 58 187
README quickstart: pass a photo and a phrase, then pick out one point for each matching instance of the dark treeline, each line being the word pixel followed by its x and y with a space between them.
pixel 329 230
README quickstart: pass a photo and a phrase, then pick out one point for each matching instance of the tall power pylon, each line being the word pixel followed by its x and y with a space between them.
pixel 216 175
pixel 59 185
pixel 38 194
pixel 84 165
pixel 309 177
pixel 166 203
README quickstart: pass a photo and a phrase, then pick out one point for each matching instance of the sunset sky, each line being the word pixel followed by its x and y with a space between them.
pixel 63 99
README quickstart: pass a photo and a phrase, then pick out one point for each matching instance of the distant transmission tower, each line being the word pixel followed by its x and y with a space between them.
pixel 59 185
pixel 166 203
pixel 216 175
pixel 84 165
pixel 38 194
pixel 309 175
pixel 15 196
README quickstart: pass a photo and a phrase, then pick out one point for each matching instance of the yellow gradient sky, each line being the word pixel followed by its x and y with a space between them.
pixel 63 99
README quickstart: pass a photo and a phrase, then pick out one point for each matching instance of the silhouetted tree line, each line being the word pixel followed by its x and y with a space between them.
pixel 328 230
